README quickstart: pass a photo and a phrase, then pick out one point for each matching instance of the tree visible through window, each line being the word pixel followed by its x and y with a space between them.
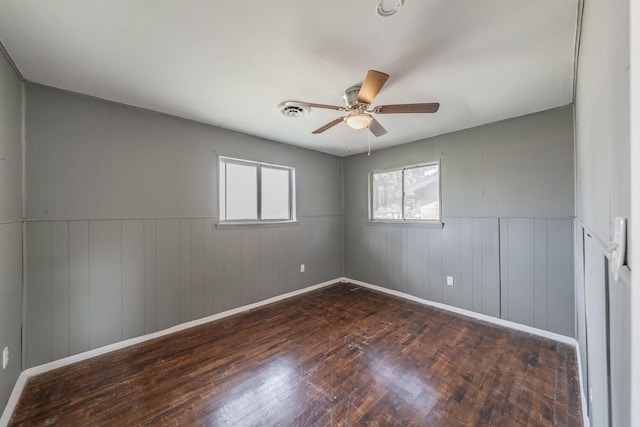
pixel 411 193
pixel 255 192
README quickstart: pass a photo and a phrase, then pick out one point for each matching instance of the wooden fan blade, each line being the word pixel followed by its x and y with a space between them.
pixel 325 106
pixel 329 125
pixel 430 107
pixel 376 128
pixel 372 84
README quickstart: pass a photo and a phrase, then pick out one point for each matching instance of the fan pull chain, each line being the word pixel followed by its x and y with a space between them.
pixel 369 138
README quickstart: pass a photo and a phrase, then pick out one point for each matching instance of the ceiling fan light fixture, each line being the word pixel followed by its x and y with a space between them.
pixel 359 120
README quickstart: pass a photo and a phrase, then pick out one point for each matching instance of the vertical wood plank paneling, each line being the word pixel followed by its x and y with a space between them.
pixel 327 248
pixel 247 264
pixel 368 250
pixel 79 287
pixel 256 267
pixel 336 255
pixel 59 289
pixel 337 236
pixel 412 259
pixel 404 273
pixel 504 267
pixel 451 260
pixel 11 304
pixel 386 251
pixel 350 248
pixel 519 283
pixel 383 249
pixel 395 237
pixel 133 279
pixel 185 268
pixel 289 265
pixel 97 282
pixel 581 326
pixel 360 249
pixel 232 269
pixel 168 273
pixel 491 267
pixel 596 323
pixel 499 266
pixel 150 277
pixel 435 290
pixel 197 268
pixel 537 279
pixel 140 268
pixel 209 264
pixel 316 258
pixel 105 282
pixel 540 275
pixel 466 285
pixel 426 263
pixel 375 254
pixel 292 276
pixel 476 265
pixel 281 255
pixel 560 277
pixel 302 249
pixel 38 294
pixel 218 272
pixel 268 266
pixel 414 262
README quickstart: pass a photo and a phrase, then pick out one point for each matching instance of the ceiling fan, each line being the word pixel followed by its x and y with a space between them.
pixel 358 101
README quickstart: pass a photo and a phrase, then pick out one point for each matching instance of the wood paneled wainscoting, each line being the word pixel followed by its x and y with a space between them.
pixel 341 355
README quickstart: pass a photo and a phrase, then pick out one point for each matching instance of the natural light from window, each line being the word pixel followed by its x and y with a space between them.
pixel 411 193
pixel 253 192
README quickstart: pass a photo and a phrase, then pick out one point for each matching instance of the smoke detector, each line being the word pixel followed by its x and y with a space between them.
pixel 293 109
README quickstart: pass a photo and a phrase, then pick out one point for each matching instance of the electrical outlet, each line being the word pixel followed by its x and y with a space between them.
pixel 5 357
pixel 449 280
pixel 301 268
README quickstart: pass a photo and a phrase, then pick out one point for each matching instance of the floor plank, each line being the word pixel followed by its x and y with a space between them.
pixel 342 355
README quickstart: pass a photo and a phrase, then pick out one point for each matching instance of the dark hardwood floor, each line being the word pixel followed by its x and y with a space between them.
pixel 342 355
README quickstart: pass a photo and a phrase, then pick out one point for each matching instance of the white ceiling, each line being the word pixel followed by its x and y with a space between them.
pixel 230 63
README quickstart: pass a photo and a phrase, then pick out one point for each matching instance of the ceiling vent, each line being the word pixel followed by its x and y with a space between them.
pixel 388 7
pixel 293 109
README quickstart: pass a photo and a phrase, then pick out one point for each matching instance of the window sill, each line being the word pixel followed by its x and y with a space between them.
pixel 418 224
pixel 254 224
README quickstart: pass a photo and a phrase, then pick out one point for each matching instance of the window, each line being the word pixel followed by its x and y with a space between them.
pixel 253 192
pixel 411 193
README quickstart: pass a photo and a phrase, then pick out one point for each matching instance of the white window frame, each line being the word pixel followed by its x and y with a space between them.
pixel 222 160
pixel 434 222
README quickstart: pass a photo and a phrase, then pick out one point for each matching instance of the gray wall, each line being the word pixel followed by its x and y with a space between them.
pixel 121 237
pixel 603 193
pixel 507 206
pixel 10 225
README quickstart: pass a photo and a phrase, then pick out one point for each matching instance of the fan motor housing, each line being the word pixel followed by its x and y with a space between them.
pixel 350 95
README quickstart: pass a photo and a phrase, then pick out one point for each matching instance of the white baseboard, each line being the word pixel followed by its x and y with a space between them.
pixel 468 313
pixel 13 399
pixel 26 374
